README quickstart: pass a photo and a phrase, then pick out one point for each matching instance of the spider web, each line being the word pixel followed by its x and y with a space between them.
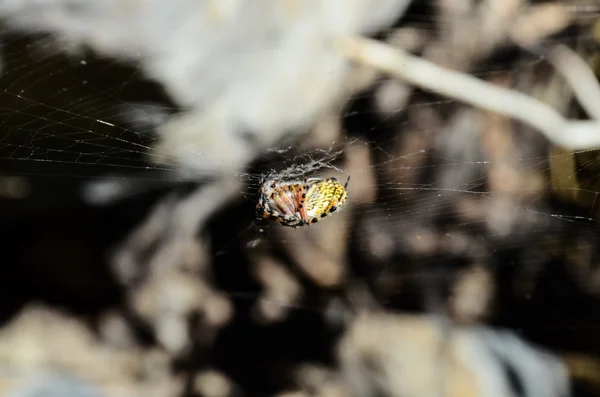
pixel 79 130
pixel 86 123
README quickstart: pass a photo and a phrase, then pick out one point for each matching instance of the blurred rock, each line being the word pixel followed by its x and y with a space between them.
pixel 402 355
pixel 53 385
pixel 41 340
pixel 472 295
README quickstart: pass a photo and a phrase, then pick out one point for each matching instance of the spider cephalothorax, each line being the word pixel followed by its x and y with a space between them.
pixel 297 203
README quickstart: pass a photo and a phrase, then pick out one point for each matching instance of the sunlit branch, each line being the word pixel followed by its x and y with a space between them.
pixel 571 134
pixel 580 77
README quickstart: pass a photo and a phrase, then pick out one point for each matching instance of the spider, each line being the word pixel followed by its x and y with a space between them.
pixel 295 203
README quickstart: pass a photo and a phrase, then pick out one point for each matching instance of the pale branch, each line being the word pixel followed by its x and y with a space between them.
pixel 579 76
pixel 570 134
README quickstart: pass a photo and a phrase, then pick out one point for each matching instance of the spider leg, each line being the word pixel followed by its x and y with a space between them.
pixel 339 200
pixel 261 191
pixel 346 184
pixel 313 180
pixel 284 203
pixel 332 208
pixel 286 220
pixel 260 203
pixel 303 191
pixel 261 186
pixel 302 199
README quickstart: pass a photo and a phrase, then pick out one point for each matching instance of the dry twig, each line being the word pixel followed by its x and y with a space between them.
pixel 579 76
pixel 571 134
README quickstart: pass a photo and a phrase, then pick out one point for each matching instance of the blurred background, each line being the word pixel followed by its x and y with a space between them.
pixel 133 136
